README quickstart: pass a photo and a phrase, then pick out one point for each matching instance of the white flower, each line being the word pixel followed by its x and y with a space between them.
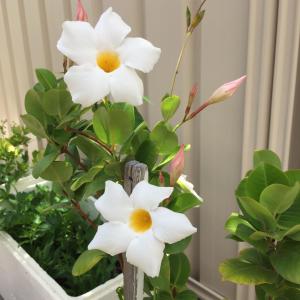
pixel 187 186
pixel 138 226
pixel 106 60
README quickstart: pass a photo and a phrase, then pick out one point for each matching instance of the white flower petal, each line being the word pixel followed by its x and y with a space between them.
pixel 139 54
pixel 78 42
pixel 126 86
pixel 148 196
pixel 146 252
pixel 111 29
pixel 114 204
pixel 112 238
pixel 87 84
pixel 169 226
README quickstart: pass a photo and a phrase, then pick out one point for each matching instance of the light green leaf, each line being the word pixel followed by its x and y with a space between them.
pixel 277 198
pixel 57 102
pixel 58 171
pixel 259 213
pixel 46 78
pixel 286 261
pixel 44 163
pixel 234 221
pixel 184 202
pixel 34 126
pixel 164 138
pixel 266 156
pixel 169 106
pixel 86 261
pixel 242 272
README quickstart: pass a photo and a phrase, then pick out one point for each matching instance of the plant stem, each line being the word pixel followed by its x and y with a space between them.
pixel 101 144
pixel 185 42
pixel 66 151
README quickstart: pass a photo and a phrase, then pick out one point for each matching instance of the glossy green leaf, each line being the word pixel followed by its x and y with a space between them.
pixel 44 163
pixel 277 198
pixel 266 156
pixel 294 233
pixel 147 154
pixel 169 106
pixel 33 105
pixel 34 126
pixel 186 295
pixel 164 138
pixel 259 213
pixel 179 246
pixel 184 202
pixel 57 102
pixel 234 221
pixel 46 78
pixel 86 261
pixel 286 261
pixel 263 176
pixel 293 176
pixel 242 272
pixel 180 269
pixel 58 171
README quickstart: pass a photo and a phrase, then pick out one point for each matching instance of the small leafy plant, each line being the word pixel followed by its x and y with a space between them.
pixel 268 221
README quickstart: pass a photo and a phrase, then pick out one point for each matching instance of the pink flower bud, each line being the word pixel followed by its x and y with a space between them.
pixel 177 166
pixel 81 14
pixel 225 91
pixel 161 179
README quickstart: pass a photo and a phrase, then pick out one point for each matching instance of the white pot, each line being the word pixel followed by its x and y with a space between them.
pixel 21 277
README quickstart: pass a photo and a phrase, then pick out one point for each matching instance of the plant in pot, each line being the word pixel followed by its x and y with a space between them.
pixel 269 222
pixel 98 144
pixel 42 222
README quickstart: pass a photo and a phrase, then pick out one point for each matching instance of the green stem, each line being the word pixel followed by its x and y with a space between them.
pixel 185 42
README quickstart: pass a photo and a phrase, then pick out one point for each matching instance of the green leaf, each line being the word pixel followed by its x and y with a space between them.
pixel 147 154
pixel 169 106
pixel 164 138
pixel 291 217
pixel 277 198
pixel 162 281
pixel 184 202
pixel 286 261
pixel 179 246
pixel 163 296
pixel 259 213
pixel 46 78
pixel 57 102
pixel 44 163
pixel 34 126
pixel 253 256
pixel 186 295
pixel 294 233
pixel 92 150
pixel 86 261
pixel 263 176
pixel 58 171
pixel 188 17
pixel 180 269
pixel 101 124
pixel 234 221
pixel 242 272
pixel 266 156
pixel 293 176
pixel 33 105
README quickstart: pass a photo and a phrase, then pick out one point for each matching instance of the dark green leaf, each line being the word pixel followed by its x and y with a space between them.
pixel 44 163
pixel 179 246
pixel 184 202
pixel 186 295
pixel 147 154
pixel 58 171
pixel 180 269
pixel 34 126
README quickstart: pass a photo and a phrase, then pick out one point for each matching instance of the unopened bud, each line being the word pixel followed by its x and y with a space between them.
pixel 161 179
pixel 196 20
pixel 81 14
pixel 177 166
pixel 192 95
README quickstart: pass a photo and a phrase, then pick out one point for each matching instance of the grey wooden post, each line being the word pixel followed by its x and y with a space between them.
pixel 133 277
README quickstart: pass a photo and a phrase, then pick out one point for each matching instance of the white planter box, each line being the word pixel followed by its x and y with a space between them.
pixel 21 278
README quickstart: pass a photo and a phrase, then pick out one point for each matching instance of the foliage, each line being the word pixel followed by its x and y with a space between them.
pixel 13 154
pixel 269 221
pixel 53 234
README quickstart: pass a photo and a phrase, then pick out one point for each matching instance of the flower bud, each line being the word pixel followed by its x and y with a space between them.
pixel 225 91
pixel 193 93
pixel 161 179
pixel 81 14
pixel 177 166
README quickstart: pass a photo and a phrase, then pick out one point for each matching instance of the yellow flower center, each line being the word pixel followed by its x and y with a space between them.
pixel 140 220
pixel 108 61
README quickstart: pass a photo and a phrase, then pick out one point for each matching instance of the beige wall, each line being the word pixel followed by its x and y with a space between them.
pixel 237 37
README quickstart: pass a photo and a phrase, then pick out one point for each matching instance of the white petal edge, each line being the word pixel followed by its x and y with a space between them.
pixel 169 226
pixel 87 84
pixel 111 29
pixel 149 196
pixel 112 238
pixel 146 252
pixel 126 86
pixel 139 54
pixel 78 41
pixel 114 204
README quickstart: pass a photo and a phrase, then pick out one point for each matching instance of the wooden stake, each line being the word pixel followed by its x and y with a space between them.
pixel 133 277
